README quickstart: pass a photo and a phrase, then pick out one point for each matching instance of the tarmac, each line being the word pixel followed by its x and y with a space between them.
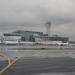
pixel 5 62
pixel 42 66
pixel 37 62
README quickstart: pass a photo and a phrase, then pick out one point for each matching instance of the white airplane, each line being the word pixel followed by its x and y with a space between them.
pixel 59 43
pixel 10 42
pixel 26 42
pixel 17 42
pixel 63 44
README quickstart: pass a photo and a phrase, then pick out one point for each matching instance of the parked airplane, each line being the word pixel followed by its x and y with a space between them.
pixel 63 44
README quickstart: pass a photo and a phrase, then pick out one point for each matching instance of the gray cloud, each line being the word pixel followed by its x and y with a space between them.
pixel 32 14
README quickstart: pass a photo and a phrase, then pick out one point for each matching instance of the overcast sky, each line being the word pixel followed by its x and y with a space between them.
pixel 32 15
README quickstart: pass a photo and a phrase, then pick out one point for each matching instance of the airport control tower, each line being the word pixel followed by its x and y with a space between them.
pixel 48 28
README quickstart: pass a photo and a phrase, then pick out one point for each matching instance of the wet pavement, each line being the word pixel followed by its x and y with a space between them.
pixel 42 66
pixel 40 62
pixel 3 64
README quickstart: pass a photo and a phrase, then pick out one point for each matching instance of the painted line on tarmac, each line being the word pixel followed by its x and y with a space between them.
pixel 6 57
pixel 8 66
pixel 10 63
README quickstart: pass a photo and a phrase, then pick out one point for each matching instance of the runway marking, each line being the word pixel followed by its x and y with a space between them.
pixel 10 63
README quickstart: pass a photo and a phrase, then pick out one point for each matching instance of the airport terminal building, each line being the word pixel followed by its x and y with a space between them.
pixel 20 36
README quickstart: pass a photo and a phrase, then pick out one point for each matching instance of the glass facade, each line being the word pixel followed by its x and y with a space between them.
pixel 26 35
